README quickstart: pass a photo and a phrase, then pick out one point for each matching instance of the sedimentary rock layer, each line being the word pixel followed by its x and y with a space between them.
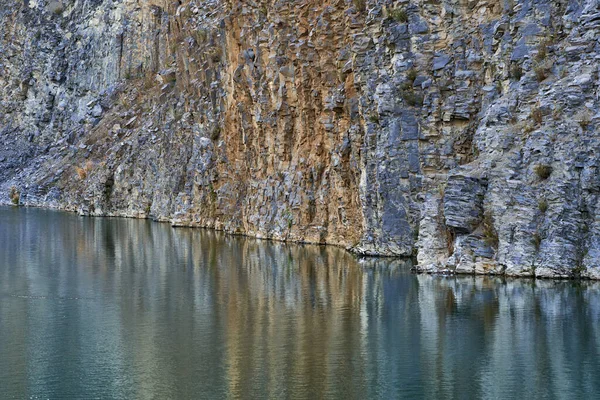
pixel 462 132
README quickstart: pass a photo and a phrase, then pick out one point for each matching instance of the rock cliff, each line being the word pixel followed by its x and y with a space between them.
pixel 462 132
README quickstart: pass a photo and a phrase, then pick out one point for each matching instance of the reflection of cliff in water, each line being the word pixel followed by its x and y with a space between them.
pixel 190 312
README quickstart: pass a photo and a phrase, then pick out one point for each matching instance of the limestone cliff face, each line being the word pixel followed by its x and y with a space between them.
pixel 462 132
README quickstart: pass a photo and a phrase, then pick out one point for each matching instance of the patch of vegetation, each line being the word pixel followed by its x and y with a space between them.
pixel 215 54
pixel 536 239
pixel 399 15
pixel 212 193
pixel 516 72
pixel 360 5
pixel 170 78
pixel 201 35
pixel 406 86
pixel 14 195
pixel 216 132
pixel 541 54
pixel 83 172
pixel 412 74
pixel 536 115
pixel 374 118
pixel 526 127
pixel 185 13
pixel 542 71
pixel 542 50
pixel 543 171
pixel 543 206
pixel 585 228
pixel 441 190
pixel 109 185
pixel 578 270
pixel 149 81
pixel 412 98
pixel 124 101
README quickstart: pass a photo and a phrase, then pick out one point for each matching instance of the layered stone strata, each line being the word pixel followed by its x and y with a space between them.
pixel 460 132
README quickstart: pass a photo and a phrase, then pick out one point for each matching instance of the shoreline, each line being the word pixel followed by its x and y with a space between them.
pixel 414 268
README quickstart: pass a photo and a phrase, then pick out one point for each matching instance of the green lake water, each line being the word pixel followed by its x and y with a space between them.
pixel 130 309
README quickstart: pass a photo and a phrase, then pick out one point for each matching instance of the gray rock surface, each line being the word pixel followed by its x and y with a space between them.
pixel 460 132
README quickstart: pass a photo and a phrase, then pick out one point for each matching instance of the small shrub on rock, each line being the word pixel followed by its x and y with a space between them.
pixel 536 115
pixel 360 5
pixel 542 53
pixel 542 50
pixel 216 132
pixel 543 171
pixel 14 195
pixel 542 71
pixel 83 172
pixel 374 118
pixel 201 35
pixel 412 74
pixel 536 240
pixel 399 15
pixel 516 72
pixel 413 99
pixel 543 206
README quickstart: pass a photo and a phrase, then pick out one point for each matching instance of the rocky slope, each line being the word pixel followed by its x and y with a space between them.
pixel 462 132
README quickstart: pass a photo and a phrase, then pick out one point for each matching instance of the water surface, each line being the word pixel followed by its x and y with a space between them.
pixel 116 308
